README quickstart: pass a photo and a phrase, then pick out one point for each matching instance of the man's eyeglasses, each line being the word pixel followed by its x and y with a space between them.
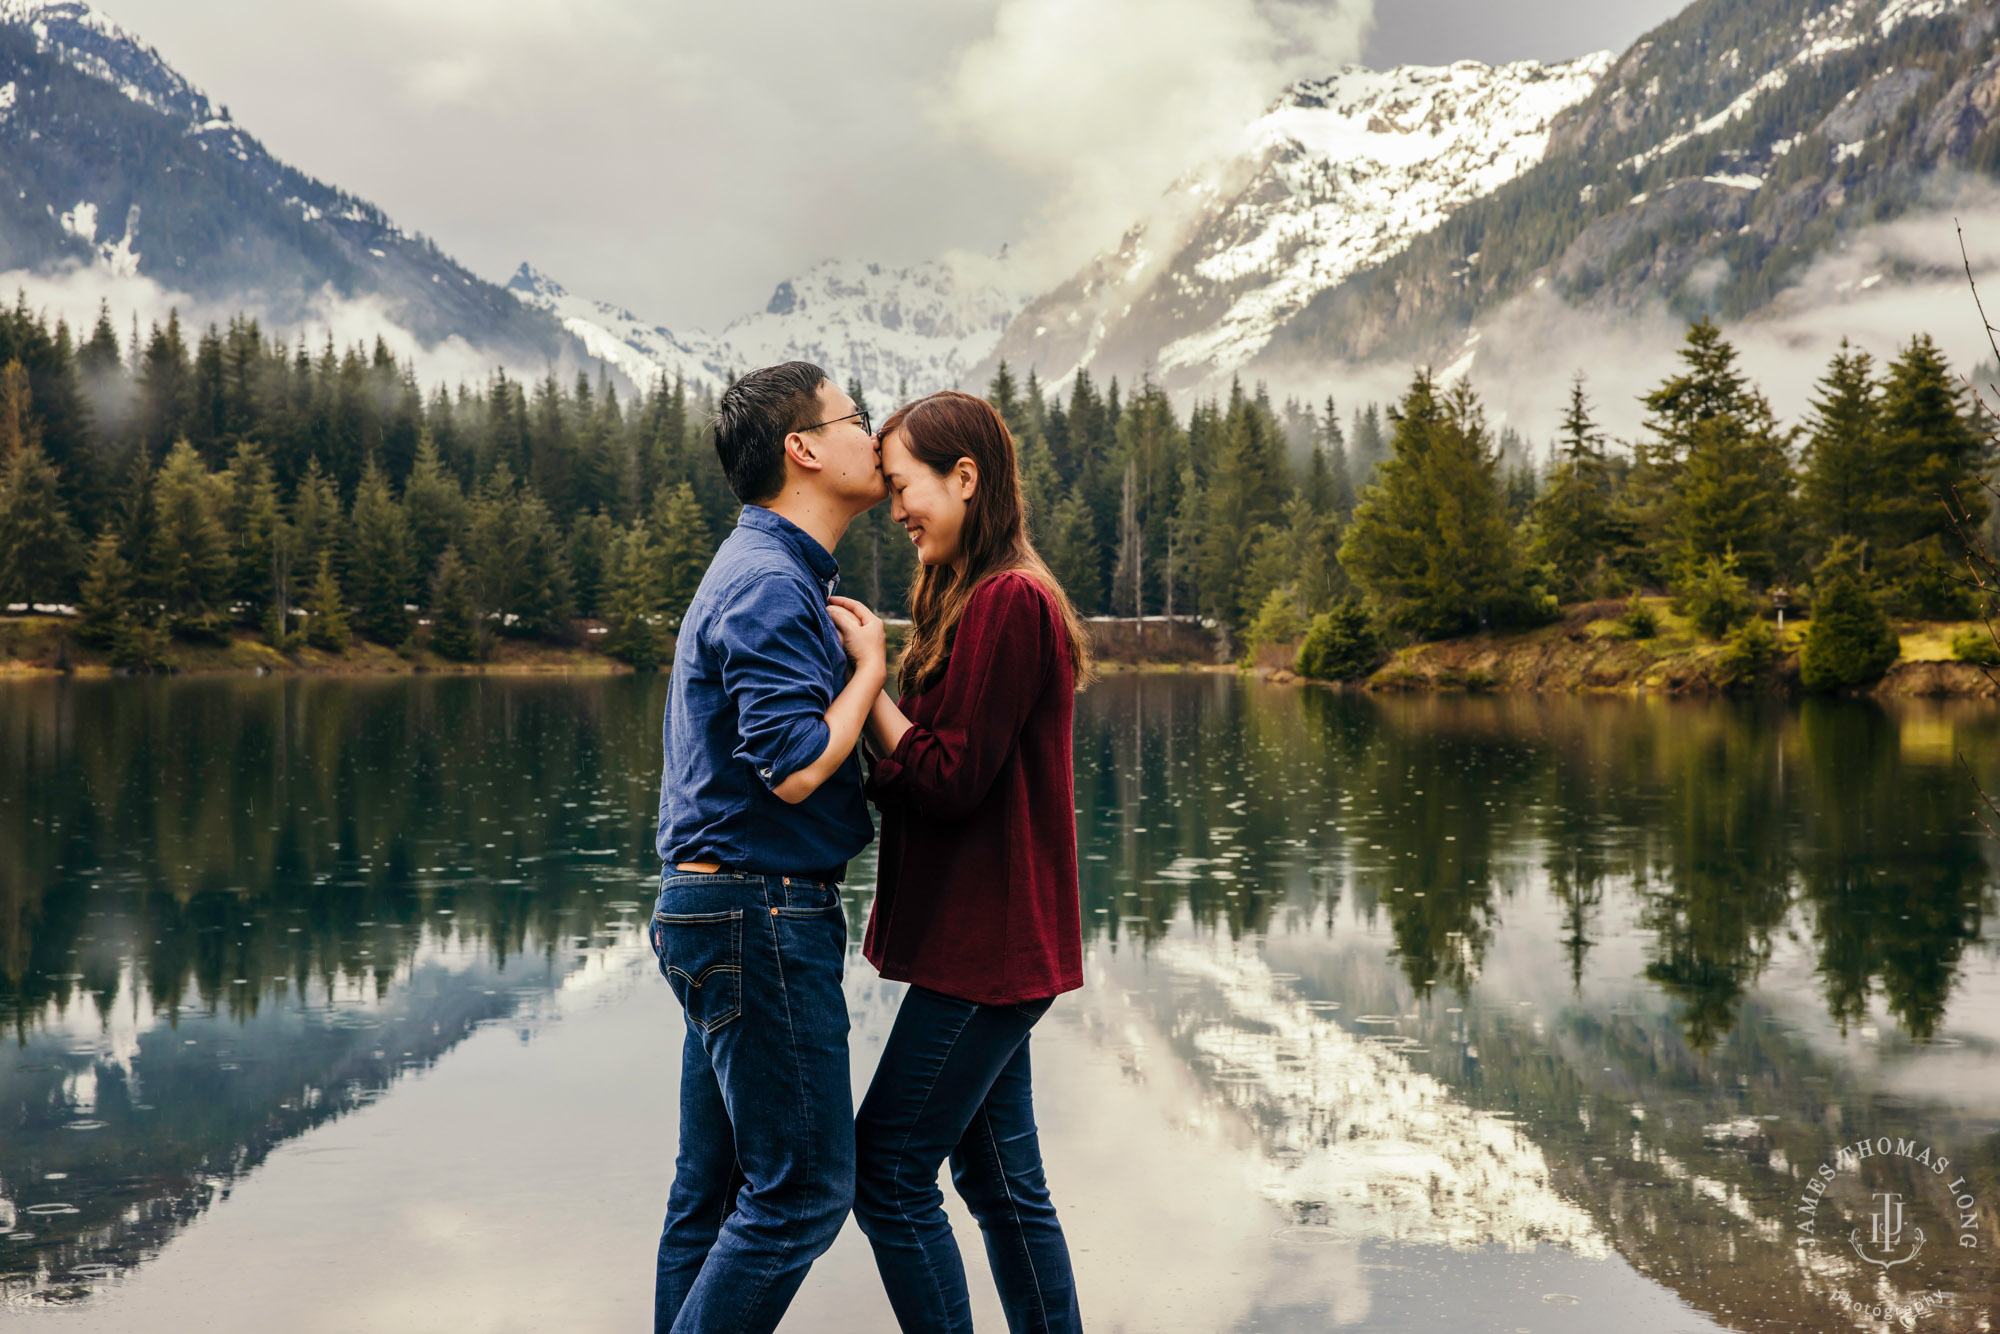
pixel 866 427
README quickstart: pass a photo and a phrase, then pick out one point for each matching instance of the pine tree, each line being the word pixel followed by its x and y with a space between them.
pixel 316 518
pixel 436 509
pixel 591 549
pixel 1071 550
pixel 1843 459
pixel 1430 543
pixel 39 546
pixel 682 547
pixel 1574 528
pixel 1932 456
pixel 1716 477
pixel 190 555
pixel 104 606
pixel 381 567
pixel 254 521
pixel 456 626
pixel 326 611
pixel 635 625
pixel 1849 641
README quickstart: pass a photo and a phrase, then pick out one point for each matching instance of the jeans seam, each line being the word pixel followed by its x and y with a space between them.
pixel 798 1077
pixel 1007 1189
pixel 903 1150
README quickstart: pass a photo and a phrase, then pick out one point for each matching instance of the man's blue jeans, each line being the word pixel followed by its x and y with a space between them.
pixel 954 1081
pixel 765 1174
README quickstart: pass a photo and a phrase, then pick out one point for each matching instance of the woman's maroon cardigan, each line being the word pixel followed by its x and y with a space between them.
pixel 977 896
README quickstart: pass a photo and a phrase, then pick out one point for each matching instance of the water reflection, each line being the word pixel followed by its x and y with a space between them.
pixel 1442 977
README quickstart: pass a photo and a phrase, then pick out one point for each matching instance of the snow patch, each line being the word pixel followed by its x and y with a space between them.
pixel 81 222
pixel 7 91
pixel 1355 167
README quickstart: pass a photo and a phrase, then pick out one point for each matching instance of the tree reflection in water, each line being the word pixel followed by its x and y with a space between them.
pixel 322 885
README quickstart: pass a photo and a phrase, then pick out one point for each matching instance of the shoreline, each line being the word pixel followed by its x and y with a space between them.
pixel 1568 657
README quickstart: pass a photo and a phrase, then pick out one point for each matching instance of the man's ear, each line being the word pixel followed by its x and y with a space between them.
pixel 967 473
pixel 800 451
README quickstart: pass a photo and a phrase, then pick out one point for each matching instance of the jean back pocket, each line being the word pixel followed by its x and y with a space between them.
pixel 701 955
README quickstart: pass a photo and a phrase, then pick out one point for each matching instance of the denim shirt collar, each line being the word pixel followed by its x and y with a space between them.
pixel 802 544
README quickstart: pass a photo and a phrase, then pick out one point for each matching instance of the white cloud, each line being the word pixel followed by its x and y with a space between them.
pixel 1104 104
pixel 76 292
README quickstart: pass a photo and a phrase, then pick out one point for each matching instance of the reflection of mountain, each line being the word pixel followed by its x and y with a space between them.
pixel 1354 1139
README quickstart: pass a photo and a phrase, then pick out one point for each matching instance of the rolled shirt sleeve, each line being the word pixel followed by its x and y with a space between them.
pixel 772 651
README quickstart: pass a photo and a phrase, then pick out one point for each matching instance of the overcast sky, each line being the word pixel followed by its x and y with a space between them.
pixel 680 158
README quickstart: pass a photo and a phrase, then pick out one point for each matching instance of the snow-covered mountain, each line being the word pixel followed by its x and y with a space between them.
pixel 1340 174
pixel 898 331
pixel 112 161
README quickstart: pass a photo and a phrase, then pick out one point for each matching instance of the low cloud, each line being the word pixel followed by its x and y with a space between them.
pixel 1885 284
pixel 75 294
pixel 1104 105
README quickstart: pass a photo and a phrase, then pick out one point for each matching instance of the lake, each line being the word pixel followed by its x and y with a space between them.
pixel 330 1008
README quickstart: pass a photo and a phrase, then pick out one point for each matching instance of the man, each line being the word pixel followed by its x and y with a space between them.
pixel 760 809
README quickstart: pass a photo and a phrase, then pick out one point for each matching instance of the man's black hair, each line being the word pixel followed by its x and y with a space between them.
pixel 752 420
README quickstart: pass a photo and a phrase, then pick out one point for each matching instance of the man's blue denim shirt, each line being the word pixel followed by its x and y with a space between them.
pixel 756 666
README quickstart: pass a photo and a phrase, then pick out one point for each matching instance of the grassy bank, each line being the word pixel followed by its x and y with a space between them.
pixel 42 645
pixel 1585 653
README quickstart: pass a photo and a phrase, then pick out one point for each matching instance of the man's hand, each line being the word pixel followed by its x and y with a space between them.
pixel 861 634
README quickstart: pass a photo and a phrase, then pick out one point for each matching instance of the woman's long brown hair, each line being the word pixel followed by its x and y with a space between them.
pixel 942 429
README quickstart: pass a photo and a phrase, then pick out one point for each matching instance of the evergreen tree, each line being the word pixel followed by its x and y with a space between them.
pixel 104 606
pixel 1932 457
pixel 254 522
pixel 381 568
pixel 682 547
pixel 316 519
pixel 635 624
pixel 1849 641
pixel 190 558
pixel 456 626
pixel 39 546
pixel 1430 543
pixel 435 506
pixel 1574 528
pixel 1716 476
pixel 17 422
pixel 1071 550
pixel 591 545
pixel 1340 644
pixel 326 611
pixel 1843 459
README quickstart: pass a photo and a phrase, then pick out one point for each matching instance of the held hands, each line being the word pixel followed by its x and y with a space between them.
pixel 861 634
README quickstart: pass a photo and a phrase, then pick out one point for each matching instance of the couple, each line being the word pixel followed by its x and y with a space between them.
pixel 776 679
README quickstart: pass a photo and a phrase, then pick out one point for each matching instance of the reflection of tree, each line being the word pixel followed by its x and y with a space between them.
pixel 253 850
pixel 1899 909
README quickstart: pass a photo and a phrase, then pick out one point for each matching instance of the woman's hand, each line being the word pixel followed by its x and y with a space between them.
pixel 861 634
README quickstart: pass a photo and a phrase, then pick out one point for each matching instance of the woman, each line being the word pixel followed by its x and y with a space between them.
pixel 976 902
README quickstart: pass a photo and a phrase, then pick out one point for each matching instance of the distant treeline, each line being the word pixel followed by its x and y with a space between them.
pixel 169 490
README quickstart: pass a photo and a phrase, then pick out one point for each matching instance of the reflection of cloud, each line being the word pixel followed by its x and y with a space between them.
pixel 1352 1139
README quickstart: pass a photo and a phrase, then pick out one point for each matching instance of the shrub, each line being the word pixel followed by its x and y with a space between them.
pixel 1276 622
pixel 1753 646
pixel 1975 643
pixel 1639 621
pixel 1849 641
pixel 1341 644
pixel 1715 597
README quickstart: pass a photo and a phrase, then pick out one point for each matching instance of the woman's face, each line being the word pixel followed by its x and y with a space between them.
pixel 930 505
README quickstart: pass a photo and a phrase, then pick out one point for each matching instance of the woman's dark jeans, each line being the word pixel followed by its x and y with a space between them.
pixel 954 1082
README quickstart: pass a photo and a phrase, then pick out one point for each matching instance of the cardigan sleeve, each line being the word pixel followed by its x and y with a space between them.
pixel 1000 661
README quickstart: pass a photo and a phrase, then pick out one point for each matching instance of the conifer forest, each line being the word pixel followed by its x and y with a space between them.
pixel 170 486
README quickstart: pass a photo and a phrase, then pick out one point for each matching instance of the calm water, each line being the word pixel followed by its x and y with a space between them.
pixel 330 1009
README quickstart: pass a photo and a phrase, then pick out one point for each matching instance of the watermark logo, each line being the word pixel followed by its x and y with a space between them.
pixel 1877 1195
pixel 1885 1231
